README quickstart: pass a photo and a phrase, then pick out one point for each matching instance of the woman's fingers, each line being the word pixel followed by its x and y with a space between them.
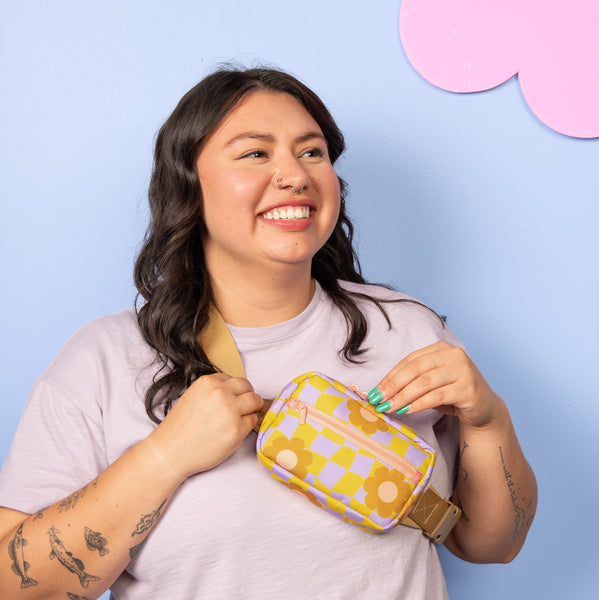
pixel 442 377
pixel 416 375
pixel 249 403
pixel 439 376
pixel 209 422
pixel 431 389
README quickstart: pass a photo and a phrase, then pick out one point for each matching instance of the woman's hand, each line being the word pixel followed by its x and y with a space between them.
pixel 207 424
pixel 443 377
pixel 496 488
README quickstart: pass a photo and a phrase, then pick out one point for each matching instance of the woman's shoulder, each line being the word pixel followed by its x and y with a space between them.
pixel 117 329
pixel 386 306
pixel 376 291
pixel 105 343
pixel 122 322
pixel 366 293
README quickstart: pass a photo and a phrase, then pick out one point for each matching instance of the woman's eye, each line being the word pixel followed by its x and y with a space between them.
pixel 314 153
pixel 254 154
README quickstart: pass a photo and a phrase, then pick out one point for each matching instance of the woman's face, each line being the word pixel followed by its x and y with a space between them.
pixel 250 220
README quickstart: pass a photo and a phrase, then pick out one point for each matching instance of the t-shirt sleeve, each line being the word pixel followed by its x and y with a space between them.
pixel 57 449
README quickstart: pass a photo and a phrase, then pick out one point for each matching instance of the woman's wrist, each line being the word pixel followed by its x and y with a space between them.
pixel 160 458
pixel 496 425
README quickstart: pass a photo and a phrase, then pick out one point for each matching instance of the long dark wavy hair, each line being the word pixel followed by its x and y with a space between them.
pixel 170 271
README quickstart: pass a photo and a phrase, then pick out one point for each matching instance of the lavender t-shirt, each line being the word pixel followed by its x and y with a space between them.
pixel 231 532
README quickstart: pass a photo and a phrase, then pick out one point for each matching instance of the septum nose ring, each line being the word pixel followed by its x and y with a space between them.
pixel 294 190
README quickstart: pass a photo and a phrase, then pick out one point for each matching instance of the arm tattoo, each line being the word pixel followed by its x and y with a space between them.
pixel 39 515
pixel 148 520
pixel 67 560
pixel 145 523
pixel 133 552
pixel 19 564
pixel 522 517
pixel 463 474
pixel 95 541
pixel 72 596
pixel 71 501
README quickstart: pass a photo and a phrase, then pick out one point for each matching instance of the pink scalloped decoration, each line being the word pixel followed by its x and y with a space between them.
pixel 475 45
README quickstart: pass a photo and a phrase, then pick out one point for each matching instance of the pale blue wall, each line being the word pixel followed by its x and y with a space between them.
pixel 466 201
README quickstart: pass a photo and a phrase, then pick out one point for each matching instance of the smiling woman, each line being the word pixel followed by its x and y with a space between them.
pixel 270 201
pixel 156 491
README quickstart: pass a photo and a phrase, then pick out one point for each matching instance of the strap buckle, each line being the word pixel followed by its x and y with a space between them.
pixel 435 515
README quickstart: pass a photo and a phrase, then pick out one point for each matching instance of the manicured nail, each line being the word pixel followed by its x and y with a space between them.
pixel 383 407
pixel 374 396
pixel 403 410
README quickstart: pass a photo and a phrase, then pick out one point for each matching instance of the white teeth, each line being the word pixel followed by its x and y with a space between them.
pixel 299 212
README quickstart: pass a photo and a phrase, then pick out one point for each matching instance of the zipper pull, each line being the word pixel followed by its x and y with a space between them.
pixel 354 388
pixel 303 409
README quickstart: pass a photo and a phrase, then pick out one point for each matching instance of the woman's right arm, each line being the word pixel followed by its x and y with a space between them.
pixel 77 547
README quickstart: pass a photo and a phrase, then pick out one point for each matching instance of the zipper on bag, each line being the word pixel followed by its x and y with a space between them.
pixel 375 448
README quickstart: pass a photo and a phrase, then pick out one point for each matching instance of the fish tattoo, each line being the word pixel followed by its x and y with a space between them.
pixel 95 541
pixel 19 564
pixel 74 565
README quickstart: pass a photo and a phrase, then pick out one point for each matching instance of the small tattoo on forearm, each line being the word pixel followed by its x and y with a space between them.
pixel 95 541
pixel 463 474
pixel 522 517
pixel 72 596
pixel 67 560
pixel 71 501
pixel 39 515
pixel 148 520
pixel 19 564
pixel 135 550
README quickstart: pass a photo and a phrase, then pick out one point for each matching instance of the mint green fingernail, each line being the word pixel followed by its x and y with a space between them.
pixel 372 392
pixel 383 407
pixel 403 411
pixel 374 396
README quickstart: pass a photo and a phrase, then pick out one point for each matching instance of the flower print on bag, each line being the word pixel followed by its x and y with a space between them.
pixel 385 490
pixel 366 418
pixel 291 455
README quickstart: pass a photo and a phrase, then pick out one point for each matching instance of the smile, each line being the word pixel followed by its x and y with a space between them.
pixel 291 213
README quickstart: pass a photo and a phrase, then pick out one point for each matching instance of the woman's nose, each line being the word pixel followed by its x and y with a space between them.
pixel 290 174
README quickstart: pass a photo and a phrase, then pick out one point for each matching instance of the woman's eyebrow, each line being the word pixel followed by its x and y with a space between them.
pixel 268 138
pixel 251 135
pixel 310 135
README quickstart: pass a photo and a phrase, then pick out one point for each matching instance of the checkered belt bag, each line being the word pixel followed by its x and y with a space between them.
pixel 324 441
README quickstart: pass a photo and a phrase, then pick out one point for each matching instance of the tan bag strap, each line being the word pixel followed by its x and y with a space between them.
pixel 435 515
pixel 218 344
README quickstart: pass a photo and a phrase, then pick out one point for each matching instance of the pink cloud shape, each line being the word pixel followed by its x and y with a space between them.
pixel 475 45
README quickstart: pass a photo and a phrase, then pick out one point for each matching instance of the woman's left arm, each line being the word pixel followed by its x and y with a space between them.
pixel 495 485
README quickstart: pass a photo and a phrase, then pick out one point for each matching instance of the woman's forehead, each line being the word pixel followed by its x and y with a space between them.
pixel 263 113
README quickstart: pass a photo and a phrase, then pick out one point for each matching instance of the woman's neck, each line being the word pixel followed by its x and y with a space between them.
pixel 259 301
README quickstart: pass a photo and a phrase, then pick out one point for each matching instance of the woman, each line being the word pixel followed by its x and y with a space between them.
pixel 134 466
